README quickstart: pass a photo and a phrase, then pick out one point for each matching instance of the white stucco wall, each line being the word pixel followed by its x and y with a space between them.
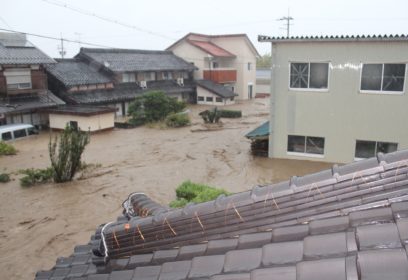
pixel 93 123
pixel 342 114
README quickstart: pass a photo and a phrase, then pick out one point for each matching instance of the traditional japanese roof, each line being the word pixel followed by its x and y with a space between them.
pixel 211 48
pixel 261 131
pixel 127 60
pixel 15 49
pixel 80 110
pixel 215 88
pixel 72 72
pixel 337 38
pixel 348 222
pixel 23 103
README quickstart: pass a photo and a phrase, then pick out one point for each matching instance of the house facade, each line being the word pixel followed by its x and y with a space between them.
pixel 229 60
pixel 23 82
pixel 115 77
pixel 338 99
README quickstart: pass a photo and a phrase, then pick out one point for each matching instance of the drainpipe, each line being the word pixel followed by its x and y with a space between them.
pixel 272 122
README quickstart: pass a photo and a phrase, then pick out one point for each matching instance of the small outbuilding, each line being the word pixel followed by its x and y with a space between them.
pixel 89 118
pixel 210 93
pixel 259 140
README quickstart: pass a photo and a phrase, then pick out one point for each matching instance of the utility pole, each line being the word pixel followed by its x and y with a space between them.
pixel 61 48
pixel 288 19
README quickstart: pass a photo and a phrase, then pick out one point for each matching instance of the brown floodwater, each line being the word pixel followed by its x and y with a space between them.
pixel 41 223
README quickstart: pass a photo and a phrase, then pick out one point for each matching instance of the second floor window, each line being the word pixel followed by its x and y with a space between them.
pixel 383 77
pixel 128 78
pixel 309 75
pixel 18 78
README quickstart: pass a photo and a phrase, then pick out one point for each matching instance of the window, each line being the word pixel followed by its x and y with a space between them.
pixel 149 76
pixel 383 77
pixel 218 99
pixel 249 66
pixel 366 149
pixel 309 75
pixel 128 78
pixel 167 75
pixel 18 78
pixel 215 64
pixel 209 99
pixel 19 133
pixel 306 144
pixel 200 98
pixel 6 136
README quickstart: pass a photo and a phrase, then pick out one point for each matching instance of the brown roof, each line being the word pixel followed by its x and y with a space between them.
pixel 211 48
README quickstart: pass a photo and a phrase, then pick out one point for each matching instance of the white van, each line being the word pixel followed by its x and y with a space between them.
pixel 16 131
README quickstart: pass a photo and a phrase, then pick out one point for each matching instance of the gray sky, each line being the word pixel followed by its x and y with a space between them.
pixel 157 24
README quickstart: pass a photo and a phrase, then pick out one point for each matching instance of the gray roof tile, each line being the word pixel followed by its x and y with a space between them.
pixel 351 268
pixel 329 225
pixel 162 256
pixel 400 209
pixel 147 273
pixel 121 275
pixel 78 270
pixel 281 273
pixel 122 60
pixel 23 55
pixel 242 260
pixel 206 266
pixel 241 276
pixel 175 270
pixel 324 246
pixel 333 269
pixel 64 262
pixel 98 277
pixel 137 260
pixel 118 264
pixel 254 240
pixel 378 236
pixel 221 246
pixel 282 253
pixel 402 225
pixel 370 216
pixel 383 264
pixel 351 242
pixel 191 251
pixel 290 233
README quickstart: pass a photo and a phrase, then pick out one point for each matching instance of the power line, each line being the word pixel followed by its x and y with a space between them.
pixel 104 18
pixel 55 38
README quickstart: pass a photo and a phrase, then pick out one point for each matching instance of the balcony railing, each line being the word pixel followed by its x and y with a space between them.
pixel 221 75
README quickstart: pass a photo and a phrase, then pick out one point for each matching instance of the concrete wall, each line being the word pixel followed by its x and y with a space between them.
pixel 93 123
pixel 205 93
pixel 192 54
pixel 342 114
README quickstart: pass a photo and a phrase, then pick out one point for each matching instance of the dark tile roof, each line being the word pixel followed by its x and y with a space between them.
pixel 15 49
pixel 18 104
pixel 72 72
pixel 343 226
pixel 215 88
pixel 126 60
pixel 80 110
pixel 336 38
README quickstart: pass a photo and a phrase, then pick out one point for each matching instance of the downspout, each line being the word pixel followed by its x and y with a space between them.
pixel 272 123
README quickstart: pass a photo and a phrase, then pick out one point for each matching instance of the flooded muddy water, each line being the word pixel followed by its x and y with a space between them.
pixel 40 223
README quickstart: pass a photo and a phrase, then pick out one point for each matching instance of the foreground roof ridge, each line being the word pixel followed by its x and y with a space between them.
pixel 385 37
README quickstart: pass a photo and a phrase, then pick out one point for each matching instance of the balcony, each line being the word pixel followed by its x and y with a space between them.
pixel 38 83
pixel 221 75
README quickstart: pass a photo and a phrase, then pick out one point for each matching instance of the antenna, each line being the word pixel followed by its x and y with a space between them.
pixel 288 24
pixel 62 52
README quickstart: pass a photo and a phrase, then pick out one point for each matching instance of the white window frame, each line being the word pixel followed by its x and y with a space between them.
pixel 310 155
pixel 129 78
pixel 329 67
pixel 376 147
pixel 382 78
pixel 23 74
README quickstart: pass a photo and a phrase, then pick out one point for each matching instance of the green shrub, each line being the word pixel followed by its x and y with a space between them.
pixel 7 149
pixel 177 120
pixel 35 176
pixel 197 193
pixel 4 177
pixel 211 116
pixel 230 114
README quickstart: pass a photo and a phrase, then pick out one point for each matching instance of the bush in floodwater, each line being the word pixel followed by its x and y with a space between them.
pixel 193 192
pixel 177 120
pixel 211 116
pixel 7 149
pixel 4 177
pixel 230 114
pixel 35 176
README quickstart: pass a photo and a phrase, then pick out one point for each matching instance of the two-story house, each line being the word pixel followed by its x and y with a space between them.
pixel 228 60
pixel 23 82
pixel 338 99
pixel 114 77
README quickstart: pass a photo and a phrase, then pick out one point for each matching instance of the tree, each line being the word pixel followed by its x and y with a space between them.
pixel 211 116
pixel 65 153
pixel 264 61
pixel 152 107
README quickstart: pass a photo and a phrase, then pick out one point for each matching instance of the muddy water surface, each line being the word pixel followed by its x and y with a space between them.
pixel 39 224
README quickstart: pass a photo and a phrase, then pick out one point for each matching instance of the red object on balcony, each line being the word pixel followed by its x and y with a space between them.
pixel 221 75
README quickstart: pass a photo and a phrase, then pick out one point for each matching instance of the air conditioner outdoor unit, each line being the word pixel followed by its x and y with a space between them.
pixel 180 81
pixel 143 84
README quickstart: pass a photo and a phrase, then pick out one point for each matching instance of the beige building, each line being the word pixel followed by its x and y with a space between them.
pixel 229 60
pixel 338 99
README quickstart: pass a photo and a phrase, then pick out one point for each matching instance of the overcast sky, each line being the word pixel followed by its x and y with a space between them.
pixel 157 24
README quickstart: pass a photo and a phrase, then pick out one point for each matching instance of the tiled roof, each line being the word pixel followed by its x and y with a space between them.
pixel 41 100
pixel 349 222
pixel 342 38
pixel 126 60
pixel 211 48
pixel 72 72
pixel 80 110
pixel 215 88
pixel 260 131
pixel 124 92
